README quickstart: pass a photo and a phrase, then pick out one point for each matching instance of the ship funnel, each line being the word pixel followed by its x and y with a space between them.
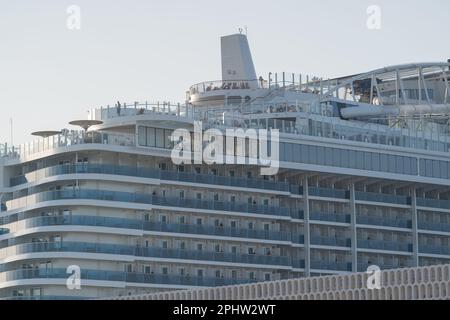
pixel 237 62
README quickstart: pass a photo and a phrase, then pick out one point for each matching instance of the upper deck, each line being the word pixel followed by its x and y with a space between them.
pixel 306 119
pixel 404 106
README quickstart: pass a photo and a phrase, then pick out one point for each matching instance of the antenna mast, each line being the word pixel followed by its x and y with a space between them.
pixel 11 126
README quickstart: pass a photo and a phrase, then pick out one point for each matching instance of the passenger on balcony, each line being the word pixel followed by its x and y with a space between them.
pixel 118 108
pixel 261 81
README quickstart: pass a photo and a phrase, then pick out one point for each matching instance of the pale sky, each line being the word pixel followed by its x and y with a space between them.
pixel 136 50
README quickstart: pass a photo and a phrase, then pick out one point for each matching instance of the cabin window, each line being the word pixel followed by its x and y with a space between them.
pixel 234 100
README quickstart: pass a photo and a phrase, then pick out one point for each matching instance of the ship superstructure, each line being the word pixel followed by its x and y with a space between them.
pixel 363 179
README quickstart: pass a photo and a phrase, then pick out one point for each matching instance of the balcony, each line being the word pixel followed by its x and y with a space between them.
pixel 332 266
pixel 385 245
pixel 386 222
pixel 331 241
pixel 296 189
pixel 141 109
pixel 152 174
pixel 75 138
pixel 362 267
pixel 3 231
pixel 146 199
pixel 108 222
pixel 382 198
pixel 433 203
pixel 118 276
pixel 330 217
pixel 328 193
pixel 143 252
pixel 298 238
pixel 297 214
pixel 435 249
pixel 298 264
pixel 225 85
pixel 434 226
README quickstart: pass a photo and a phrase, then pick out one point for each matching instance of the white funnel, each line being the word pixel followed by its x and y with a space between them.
pixel 237 62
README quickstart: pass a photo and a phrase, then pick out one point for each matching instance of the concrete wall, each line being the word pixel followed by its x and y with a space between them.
pixel 425 283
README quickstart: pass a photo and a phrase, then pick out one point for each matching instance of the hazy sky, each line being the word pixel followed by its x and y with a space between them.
pixel 136 50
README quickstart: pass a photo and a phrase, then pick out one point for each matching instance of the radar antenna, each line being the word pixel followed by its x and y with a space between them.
pixel 241 30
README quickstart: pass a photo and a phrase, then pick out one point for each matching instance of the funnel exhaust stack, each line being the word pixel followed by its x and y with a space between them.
pixel 237 62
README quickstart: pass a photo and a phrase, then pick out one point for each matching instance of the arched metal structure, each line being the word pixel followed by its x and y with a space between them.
pixel 394 74
pixel 410 89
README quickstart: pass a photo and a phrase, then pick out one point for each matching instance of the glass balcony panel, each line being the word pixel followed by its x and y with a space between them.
pixel 150 173
pixel 138 251
pixel 387 222
pixel 385 245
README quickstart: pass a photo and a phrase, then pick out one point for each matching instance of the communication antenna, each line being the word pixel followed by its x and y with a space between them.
pixel 241 30
pixel 11 126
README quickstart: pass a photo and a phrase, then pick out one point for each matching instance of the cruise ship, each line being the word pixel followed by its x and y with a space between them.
pixel 103 209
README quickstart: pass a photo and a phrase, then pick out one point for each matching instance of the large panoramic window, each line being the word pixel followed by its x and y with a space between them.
pixel 360 160
pixel 154 137
pixel 327 156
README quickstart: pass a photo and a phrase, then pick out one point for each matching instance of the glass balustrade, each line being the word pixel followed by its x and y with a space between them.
pixel 435 249
pixel 71 138
pixel 387 222
pixel 157 226
pixel 330 217
pixel 433 203
pixel 332 266
pixel 434 226
pixel 330 241
pixel 296 189
pixel 298 263
pixel 382 198
pixel 152 174
pixel 328 193
pixel 362 267
pixel 139 109
pixel 143 278
pixel 144 252
pixel 385 245
pixel 146 199
pixel 297 214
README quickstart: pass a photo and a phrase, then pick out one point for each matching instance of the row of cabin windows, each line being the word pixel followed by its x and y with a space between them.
pixel 217 248
pixel 199 272
pixel 200 221
pixel 213 171
pixel 216 197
